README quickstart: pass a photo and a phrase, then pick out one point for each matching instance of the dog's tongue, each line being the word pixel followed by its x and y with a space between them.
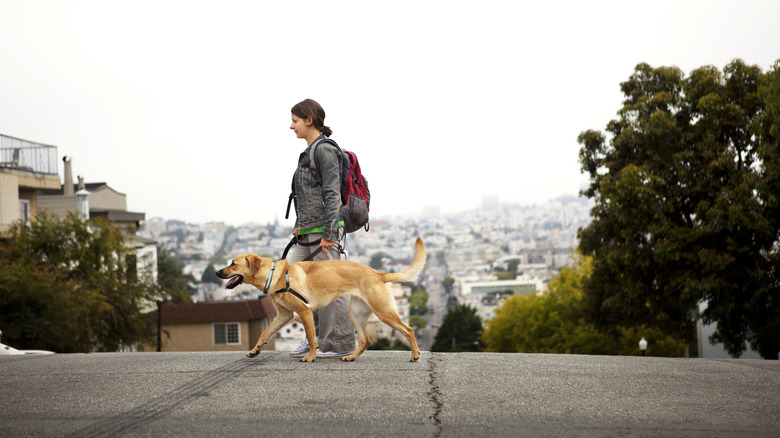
pixel 234 281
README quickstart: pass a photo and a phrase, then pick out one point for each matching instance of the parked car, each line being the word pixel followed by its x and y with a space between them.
pixel 6 350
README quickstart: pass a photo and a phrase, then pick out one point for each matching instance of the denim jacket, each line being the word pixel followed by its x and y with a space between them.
pixel 318 197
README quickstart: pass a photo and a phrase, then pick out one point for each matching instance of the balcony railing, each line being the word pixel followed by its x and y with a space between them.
pixel 27 156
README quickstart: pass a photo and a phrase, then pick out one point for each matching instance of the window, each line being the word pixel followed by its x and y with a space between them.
pixel 24 210
pixel 226 334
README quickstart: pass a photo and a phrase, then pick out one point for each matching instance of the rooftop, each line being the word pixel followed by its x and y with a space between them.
pixel 216 311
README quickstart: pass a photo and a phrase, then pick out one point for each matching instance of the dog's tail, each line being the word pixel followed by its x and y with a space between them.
pixel 414 270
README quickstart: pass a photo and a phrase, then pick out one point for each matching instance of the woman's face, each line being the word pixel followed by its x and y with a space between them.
pixel 301 126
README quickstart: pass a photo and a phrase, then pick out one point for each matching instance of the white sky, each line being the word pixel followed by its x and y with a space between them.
pixel 185 105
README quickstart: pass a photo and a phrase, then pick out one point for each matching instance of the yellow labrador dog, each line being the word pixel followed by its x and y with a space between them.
pixel 306 286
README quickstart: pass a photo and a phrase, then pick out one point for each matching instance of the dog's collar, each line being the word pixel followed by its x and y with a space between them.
pixel 270 277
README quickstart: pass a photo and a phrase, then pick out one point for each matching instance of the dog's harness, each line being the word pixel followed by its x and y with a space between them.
pixel 309 258
pixel 289 289
pixel 286 289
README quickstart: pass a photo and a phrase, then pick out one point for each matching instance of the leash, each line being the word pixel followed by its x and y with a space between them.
pixel 310 257
pixel 287 281
pixel 297 241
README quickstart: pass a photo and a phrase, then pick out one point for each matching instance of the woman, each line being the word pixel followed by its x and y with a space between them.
pixel 317 202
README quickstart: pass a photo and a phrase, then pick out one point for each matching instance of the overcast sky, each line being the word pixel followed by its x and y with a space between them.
pixel 185 105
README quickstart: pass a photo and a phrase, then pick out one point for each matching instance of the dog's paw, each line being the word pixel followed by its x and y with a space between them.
pixel 252 354
pixel 349 358
pixel 415 359
pixel 308 358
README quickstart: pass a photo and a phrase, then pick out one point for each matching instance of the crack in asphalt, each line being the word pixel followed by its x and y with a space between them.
pixel 434 395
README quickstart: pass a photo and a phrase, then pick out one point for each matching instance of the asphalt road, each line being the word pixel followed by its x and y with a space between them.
pixel 383 395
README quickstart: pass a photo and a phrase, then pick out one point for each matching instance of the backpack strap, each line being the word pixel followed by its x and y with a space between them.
pixel 313 165
pixel 313 150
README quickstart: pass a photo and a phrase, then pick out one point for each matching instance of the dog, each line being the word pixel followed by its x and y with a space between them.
pixel 307 286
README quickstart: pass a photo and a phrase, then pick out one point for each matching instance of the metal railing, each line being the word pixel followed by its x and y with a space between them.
pixel 27 156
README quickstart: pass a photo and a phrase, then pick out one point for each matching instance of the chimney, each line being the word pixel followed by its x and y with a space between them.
pixel 67 186
pixel 82 186
pixel 82 204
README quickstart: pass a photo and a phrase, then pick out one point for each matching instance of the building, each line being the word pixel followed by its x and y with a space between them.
pixel 88 200
pixel 376 329
pixel 290 336
pixel 25 168
pixel 523 285
pixel 214 325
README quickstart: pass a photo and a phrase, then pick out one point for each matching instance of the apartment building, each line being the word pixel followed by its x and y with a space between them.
pixel 25 168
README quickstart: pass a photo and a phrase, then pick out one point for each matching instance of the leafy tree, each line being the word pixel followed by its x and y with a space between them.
pixel 554 322
pixel 418 303
pixel 684 194
pixel 447 284
pixel 210 275
pixel 377 262
pixel 66 285
pixel 417 321
pixel 170 276
pixel 765 306
pixel 461 327
pixel 384 344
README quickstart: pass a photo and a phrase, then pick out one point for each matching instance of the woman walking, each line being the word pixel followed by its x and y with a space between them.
pixel 317 203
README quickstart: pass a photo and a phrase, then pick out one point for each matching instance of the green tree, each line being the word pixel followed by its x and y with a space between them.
pixel 377 262
pixel 384 344
pixel 66 286
pixel 462 328
pixel 417 321
pixel 418 303
pixel 210 275
pixel 765 306
pixel 682 209
pixel 554 322
pixel 448 284
pixel 170 277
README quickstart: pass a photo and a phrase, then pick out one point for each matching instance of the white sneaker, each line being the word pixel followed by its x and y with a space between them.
pixel 330 354
pixel 301 349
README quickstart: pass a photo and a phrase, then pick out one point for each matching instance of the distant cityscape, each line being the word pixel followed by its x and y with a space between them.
pixel 470 247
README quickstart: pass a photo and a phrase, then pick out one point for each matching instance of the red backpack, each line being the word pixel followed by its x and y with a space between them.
pixel 355 196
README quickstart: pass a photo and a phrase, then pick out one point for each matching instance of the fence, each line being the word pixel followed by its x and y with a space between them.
pixel 28 156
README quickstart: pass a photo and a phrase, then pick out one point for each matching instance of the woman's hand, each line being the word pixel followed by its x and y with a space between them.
pixel 295 231
pixel 326 244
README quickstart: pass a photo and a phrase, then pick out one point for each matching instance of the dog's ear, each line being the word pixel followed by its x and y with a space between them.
pixel 254 262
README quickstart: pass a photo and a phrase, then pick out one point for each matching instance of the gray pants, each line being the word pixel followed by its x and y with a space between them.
pixel 335 330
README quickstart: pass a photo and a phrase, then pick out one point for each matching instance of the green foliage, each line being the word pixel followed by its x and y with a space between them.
pixel 418 303
pixel 555 323
pixel 447 284
pixel 384 344
pixel 461 327
pixel 376 261
pixel 508 275
pixel 686 205
pixel 170 276
pixel 417 321
pixel 210 275
pixel 64 286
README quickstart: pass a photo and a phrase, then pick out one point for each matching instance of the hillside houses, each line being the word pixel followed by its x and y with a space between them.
pixel 471 247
